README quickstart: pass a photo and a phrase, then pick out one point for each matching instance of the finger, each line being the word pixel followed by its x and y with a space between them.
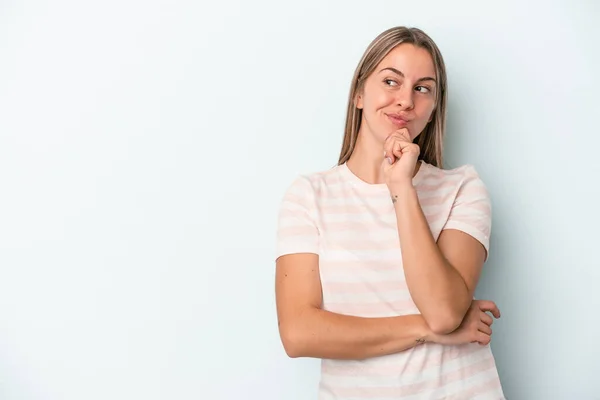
pixel 495 311
pixel 402 133
pixel 394 148
pixel 405 135
pixel 485 329
pixel 487 305
pixel 483 339
pixel 397 143
pixel 388 148
pixel 387 159
pixel 486 319
pixel 400 145
pixel 398 149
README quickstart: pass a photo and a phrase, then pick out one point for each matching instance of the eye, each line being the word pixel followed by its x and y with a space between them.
pixel 390 82
pixel 424 89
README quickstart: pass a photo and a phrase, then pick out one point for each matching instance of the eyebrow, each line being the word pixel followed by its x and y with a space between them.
pixel 397 72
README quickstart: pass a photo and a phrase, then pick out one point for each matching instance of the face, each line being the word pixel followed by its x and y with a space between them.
pixel 400 93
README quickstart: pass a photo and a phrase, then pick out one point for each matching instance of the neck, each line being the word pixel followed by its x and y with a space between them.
pixel 367 157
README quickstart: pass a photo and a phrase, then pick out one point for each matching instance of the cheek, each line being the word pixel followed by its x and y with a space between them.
pixel 426 111
pixel 378 99
pixel 385 99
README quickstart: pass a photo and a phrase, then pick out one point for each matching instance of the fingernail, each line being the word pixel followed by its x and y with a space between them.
pixel 389 159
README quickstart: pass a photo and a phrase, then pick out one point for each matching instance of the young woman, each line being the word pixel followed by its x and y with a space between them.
pixel 378 258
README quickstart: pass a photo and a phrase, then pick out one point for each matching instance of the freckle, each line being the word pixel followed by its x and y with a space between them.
pixel 286 275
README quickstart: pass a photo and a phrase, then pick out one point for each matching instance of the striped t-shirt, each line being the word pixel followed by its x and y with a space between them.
pixel 352 226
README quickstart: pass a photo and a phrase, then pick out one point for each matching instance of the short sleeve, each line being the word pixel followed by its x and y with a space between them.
pixel 297 230
pixel 472 209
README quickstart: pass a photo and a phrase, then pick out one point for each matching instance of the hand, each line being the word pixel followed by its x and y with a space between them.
pixel 400 158
pixel 475 327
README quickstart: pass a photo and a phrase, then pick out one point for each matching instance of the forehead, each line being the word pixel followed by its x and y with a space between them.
pixel 414 62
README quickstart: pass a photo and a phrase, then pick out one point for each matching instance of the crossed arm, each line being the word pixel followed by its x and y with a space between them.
pixel 441 277
pixel 307 330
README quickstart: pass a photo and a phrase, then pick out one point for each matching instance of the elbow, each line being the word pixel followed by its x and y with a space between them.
pixel 298 339
pixel 292 341
pixel 445 323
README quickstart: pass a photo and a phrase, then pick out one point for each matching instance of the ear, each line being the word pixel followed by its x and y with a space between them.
pixel 358 101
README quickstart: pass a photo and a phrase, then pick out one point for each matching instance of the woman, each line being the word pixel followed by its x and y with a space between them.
pixel 378 258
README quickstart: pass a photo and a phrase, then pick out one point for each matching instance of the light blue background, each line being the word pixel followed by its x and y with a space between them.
pixel 145 145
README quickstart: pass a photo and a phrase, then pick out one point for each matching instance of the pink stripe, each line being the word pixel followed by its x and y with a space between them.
pixel 297 231
pixel 344 191
pixel 354 267
pixel 294 214
pixel 344 209
pixel 358 227
pixel 415 364
pixel 432 218
pixel 482 206
pixel 294 199
pixel 436 201
pixel 362 244
pixel 371 309
pixel 345 226
pixel 437 187
pixel 416 388
pixel 490 386
pixel 364 287
pixel 472 192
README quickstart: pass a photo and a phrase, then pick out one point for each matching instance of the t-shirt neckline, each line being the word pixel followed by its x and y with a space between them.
pixel 376 187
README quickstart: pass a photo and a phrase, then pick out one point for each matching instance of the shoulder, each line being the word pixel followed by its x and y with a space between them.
pixel 301 198
pixel 458 176
pixel 462 182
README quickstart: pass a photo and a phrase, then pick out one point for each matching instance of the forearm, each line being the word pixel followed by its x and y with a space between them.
pixel 438 290
pixel 323 334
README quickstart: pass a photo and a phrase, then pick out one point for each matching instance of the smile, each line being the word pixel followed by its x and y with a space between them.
pixel 397 120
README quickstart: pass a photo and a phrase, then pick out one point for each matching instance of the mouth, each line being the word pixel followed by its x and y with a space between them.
pixel 397 120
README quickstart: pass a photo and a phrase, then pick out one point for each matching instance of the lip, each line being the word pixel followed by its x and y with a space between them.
pixel 398 120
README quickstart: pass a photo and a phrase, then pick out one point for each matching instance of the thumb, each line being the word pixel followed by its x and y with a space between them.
pixel 388 159
pixel 386 165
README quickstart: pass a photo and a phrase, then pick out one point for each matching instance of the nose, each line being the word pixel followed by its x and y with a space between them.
pixel 405 97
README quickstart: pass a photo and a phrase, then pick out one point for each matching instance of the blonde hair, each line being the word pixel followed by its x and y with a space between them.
pixel 430 141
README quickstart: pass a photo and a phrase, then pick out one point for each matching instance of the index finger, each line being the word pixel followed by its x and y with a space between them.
pixel 491 307
pixel 404 133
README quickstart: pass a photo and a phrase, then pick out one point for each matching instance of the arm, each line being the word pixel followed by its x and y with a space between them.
pixel 308 331
pixel 442 276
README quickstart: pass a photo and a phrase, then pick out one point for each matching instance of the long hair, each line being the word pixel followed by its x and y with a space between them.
pixel 430 141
